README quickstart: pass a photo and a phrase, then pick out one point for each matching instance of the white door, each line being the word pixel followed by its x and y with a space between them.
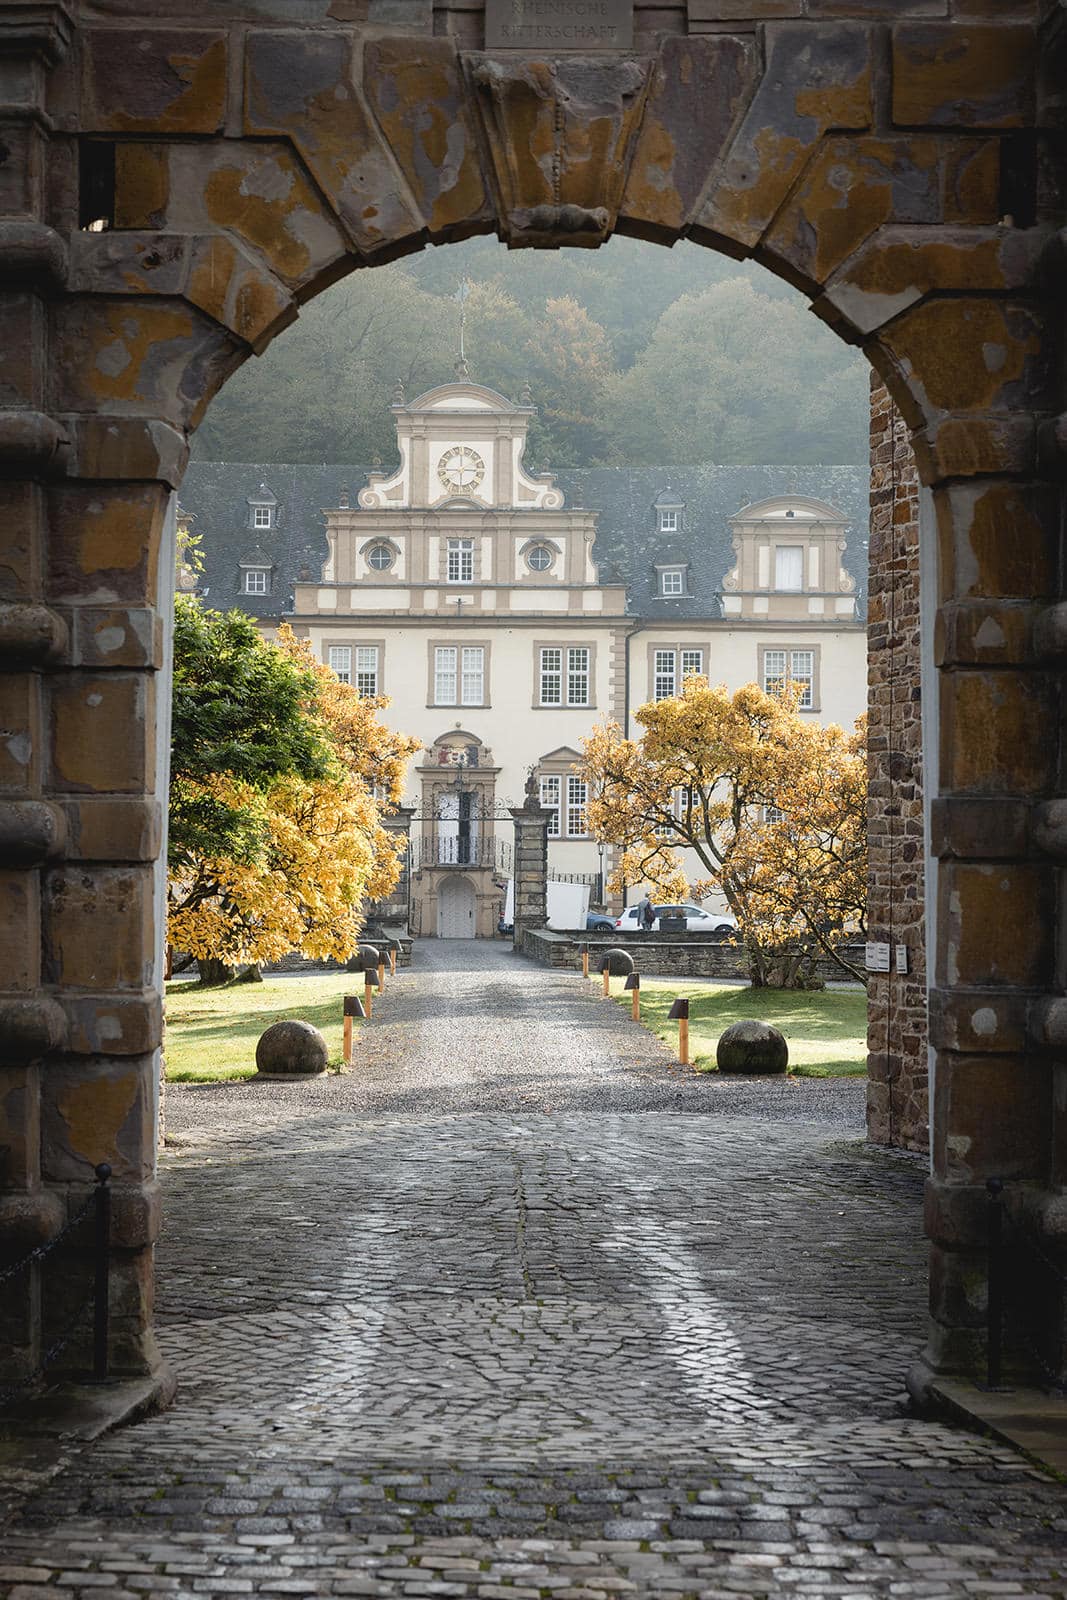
pixel 455 909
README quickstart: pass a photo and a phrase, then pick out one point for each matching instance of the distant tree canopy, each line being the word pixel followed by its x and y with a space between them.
pixel 634 355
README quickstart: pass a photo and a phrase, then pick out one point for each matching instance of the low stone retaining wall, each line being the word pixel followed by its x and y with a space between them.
pixel 658 955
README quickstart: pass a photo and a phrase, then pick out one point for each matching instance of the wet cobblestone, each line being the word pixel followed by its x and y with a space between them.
pixel 641 1344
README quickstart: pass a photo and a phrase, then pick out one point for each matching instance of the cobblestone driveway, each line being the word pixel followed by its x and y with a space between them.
pixel 584 1328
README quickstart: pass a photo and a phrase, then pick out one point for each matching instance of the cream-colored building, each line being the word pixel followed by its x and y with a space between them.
pixel 503 619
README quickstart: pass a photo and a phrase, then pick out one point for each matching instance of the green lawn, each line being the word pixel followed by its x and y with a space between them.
pixel 826 1029
pixel 212 1033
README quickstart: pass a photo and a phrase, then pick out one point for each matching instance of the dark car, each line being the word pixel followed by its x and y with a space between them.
pixel 597 922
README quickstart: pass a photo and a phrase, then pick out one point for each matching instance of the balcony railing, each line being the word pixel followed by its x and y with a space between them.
pixel 451 850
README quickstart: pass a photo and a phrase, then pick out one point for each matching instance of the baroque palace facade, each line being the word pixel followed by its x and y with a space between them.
pixel 505 612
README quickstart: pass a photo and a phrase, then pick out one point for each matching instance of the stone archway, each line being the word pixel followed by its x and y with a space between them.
pixel 177 188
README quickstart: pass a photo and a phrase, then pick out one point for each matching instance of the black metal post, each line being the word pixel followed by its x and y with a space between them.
pixel 103 1271
pixel 995 1291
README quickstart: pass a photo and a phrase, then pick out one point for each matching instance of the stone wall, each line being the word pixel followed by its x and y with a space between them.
pixel 661 955
pixel 897 1108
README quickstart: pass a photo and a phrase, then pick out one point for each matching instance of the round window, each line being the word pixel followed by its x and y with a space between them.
pixel 539 558
pixel 380 556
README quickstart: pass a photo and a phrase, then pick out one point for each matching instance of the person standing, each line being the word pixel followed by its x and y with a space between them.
pixel 646 914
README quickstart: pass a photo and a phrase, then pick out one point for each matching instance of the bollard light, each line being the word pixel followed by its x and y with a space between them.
pixel 633 983
pixel 679 1013
pixel 353 1008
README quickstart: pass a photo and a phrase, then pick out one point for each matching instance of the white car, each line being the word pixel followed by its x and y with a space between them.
pixel 697 920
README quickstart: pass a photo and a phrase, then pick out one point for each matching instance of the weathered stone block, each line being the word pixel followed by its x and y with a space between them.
pixel 991 732
pixel 114 1025
pixel 417 93
pixel 113 828
pixel 966 77
pixel 118 448
pixel 997 924
pixel 244 298
pixel 698 89
pixel 142 185
pixel 991 1118
pixel 155 80
pixel 969 827
pixel 105 542
pixel 21 513
pixel 98 1110
pixel 989 632
pixel 103 732
pixel 304 86
pixel 98 931
pixel 972 353
pixel 997 539
pixel 20 732
pixel 128 636
pixel 20 1124
pixel 979 1021
pixel 812 82
pixel 20 930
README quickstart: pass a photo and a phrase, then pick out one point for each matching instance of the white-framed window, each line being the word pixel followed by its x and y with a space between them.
pixel 790 667
pixel 773 814
pixel 444 675
pixel 692 664
pixel 551 676
pixel 472 686
pixel 789 568
pixel 261 516
pixel 460 561
pixel 668 522
pixel 577 800
pixel 664 676
pixel 550 796
pixel 257 580
pixel 539 558
pixel 339 661
pixel 672 580
pixel 380 556
pixel 578 675
pixel 367 669
pixel 677 810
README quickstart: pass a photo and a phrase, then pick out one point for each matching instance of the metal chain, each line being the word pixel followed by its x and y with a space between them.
pixel 42 1250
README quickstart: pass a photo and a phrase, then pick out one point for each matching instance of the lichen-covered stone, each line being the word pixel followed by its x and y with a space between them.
pixel 751 1046
pixel 291 1049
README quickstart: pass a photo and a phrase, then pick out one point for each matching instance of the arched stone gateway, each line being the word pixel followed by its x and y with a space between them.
pixel 178 179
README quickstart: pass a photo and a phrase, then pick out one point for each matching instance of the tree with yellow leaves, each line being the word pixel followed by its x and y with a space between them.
pixel 772 805
pixel 282 779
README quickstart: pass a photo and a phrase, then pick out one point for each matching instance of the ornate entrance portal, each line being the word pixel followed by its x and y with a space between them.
pixel 177 186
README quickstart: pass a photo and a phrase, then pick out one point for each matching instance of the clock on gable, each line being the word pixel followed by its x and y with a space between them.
pixel 461 469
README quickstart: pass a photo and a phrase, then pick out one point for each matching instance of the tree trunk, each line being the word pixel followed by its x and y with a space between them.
pixel 214 973
pixel 251 974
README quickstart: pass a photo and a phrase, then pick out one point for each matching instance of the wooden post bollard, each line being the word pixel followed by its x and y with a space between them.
pixel 392 961
pixel 635 1002
pixel 679 1013
pixel 353 1008
pixel 607 983
pixel 368 1002
pixel 346 1052
pixel 381 973
pixel 585 963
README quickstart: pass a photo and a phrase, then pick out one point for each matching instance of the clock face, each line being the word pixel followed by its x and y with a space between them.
pixel 461 469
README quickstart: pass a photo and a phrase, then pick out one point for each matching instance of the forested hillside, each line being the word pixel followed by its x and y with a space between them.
pixel 633 354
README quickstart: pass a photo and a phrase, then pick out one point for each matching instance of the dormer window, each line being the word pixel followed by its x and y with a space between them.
pixel 539 558
pixel 672 580
pixel 262 516
pixel 789 568
pixel 668 522
pixel 380 556
pixel 257 580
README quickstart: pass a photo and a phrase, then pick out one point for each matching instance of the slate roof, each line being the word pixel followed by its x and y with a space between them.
pixel 628 538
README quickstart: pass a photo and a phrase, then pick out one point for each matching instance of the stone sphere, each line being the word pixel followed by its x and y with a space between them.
pixel 620 963
pixel 292 1050
pixel 752 1047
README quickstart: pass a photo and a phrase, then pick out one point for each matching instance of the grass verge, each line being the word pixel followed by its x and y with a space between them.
pixel 212 1033
pixel 826 1029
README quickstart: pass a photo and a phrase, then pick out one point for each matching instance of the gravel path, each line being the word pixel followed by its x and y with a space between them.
pixel 473 1027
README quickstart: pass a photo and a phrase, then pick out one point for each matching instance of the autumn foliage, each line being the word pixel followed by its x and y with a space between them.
pixel 772 805
pixel 282 779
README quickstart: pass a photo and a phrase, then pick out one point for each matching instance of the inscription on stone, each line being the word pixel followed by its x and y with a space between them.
pixel 554 25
